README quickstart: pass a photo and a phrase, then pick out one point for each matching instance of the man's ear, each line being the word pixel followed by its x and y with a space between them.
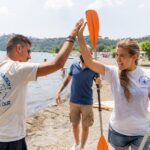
pixel 18 48
pixel 136 57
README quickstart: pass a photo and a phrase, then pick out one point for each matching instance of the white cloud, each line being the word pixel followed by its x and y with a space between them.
pixel 105 3
pixel 4 11
pixel 141 6
pixel 57 4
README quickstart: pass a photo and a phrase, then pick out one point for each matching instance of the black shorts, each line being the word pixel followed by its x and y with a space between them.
pixel 15 145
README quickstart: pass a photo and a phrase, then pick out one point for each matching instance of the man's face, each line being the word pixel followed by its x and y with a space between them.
pixel 24 52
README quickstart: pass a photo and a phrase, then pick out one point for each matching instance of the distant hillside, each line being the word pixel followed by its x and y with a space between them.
pixel 39 45
pixel 54 44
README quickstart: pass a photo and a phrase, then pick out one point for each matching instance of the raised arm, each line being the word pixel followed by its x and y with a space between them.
pixel 91 63
pixel 52 66
pixel 64 84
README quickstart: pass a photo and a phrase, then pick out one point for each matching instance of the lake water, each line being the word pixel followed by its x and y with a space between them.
pixel 41 93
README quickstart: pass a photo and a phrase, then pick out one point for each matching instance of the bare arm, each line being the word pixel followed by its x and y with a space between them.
pixel 64 84
pixel 91 63
pixel 52 66
pixel 56 64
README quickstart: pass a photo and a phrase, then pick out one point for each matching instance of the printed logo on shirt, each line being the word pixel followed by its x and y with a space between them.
pixel 5 86
pixel 144 81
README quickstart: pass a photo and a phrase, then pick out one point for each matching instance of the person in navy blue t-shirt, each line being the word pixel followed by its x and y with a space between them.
pixel 81 99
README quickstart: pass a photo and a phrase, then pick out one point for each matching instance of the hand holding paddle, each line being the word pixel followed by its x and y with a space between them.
pixel 93 27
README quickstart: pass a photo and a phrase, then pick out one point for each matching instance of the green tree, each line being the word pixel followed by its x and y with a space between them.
pixel 146 47
pixel 101 47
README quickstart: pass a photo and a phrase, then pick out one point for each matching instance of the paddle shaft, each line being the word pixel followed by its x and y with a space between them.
pixel 99 108
pixel 99 101
pixel 144 139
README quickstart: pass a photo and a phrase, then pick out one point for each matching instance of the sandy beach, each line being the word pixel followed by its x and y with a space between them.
pixel 50 128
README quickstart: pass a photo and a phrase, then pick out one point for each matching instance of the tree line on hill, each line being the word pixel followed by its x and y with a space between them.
pixel 53 45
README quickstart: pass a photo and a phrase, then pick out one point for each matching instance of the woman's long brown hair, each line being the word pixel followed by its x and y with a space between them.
pixel 133 49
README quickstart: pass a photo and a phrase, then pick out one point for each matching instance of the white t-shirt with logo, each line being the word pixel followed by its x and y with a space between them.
pixel 14 77
pixel 130 117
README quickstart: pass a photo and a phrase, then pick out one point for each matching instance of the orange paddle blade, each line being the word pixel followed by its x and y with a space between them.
pixel 93 26
pixel 102 144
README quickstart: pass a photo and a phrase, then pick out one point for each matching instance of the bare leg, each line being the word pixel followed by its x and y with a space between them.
pixel 127 148
pixel 76 132
pixel 132 148
pixel 85 132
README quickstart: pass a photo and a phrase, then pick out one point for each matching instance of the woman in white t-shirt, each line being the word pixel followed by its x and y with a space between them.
pixel 130 85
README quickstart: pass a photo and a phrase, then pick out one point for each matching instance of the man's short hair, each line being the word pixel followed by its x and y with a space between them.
pixel 17 39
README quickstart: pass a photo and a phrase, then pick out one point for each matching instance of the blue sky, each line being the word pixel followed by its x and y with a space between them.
pixel 55 18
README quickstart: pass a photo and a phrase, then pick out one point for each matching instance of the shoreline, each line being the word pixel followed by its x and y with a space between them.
pixel 50 128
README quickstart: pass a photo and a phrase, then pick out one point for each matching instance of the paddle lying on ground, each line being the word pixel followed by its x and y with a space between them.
pixel 93 27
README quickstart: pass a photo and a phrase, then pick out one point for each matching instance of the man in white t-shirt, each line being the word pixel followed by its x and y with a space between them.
pixel 15 73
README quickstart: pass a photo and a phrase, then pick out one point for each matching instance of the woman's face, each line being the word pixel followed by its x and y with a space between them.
pixel 125 60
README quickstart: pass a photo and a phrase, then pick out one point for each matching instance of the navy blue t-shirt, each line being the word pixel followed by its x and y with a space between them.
pixel 81 86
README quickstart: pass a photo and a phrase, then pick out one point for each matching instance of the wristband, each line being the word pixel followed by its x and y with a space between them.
pixel 69 40
pixel 72 38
